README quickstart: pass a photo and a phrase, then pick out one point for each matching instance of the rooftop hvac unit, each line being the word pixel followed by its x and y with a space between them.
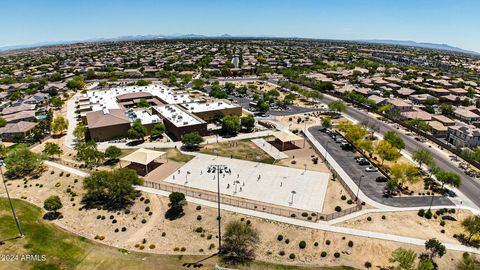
pixel 185 123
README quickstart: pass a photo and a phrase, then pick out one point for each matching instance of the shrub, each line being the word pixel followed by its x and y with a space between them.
pixel 116 230
pixel 384 217
pixel 248 222
pixel 200 250
pixel 99 217
pixel 147 201
pixel 114 221
pixel 338 208
pixel 199 217
pixel 368 264
pixel 442 223
pixel 315 244
pixel 281 253
pixel 350 243
pixel 152 246
pixel 209 237
pixel 336 254
pixel 176 249
pixel 291 256
pixel 349 201
pixel 183 249
pixel 428 214
pixel 198 208
pixel 327 242
pixel 144 221
pixel 304 214
pixel 147 209
pixel 293 215
pixel 369 218
pixel 421 213
pixel 164 234
pixel 112 217
pixel 124 229
pixel 199 230
pixel 211 246
pixel 302 244
pixel 127 211
pixel 343 197
pixel 442 231
pixel 287 241
pixel 67 175
pixel 323 254
pixel 280 237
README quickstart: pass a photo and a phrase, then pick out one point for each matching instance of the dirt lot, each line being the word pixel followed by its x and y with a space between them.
pixel 411 225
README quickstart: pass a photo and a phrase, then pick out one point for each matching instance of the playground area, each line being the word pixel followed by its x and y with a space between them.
pixel 279 185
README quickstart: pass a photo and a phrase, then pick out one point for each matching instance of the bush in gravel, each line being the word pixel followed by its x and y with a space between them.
pixel 350 202
pixel 338 208
pixel 209 237
pixel 152 246
pixel 164 234
pixel 287 241
pixel 199 217
pixel 350 243
pixel 99 217
pixel 281 253
pixel 336 254
pixel 421 213
pixel 368 265
pixel 302 244
pixel 343 197
pixel 442 223
pixel 199 230
pixel 124 229
pixel 211 246
pixel 442 231
pixel 291 256
pixel 116 230
pixel 198 208
pixel 280 237
pixel 384 217
pixel 147 201
pixel 323 254
pixel 327 242
pixel 369 218
pixel 112 217
pixel 304 214
pixel 183 249
pixel 428 214
pixel 147 209
pixel 315 244
pixel 144 221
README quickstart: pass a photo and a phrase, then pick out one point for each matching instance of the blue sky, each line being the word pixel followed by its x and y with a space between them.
pixel 455 22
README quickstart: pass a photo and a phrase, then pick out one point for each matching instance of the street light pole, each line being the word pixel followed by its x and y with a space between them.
pixel 218 217
pixel 358 190
pixel 326 151
pixel 10 200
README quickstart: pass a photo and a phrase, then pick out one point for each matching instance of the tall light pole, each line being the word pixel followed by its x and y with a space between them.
pixel 358 190
pixel 10 200
pixel 326 151
pixel 218 166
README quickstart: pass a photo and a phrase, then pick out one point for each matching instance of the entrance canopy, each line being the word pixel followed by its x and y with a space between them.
pixel 286 136
pixel 143 156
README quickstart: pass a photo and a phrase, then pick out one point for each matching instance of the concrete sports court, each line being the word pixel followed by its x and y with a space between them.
pixel 256 181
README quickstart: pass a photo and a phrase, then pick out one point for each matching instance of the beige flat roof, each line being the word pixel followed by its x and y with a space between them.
pixel 143 156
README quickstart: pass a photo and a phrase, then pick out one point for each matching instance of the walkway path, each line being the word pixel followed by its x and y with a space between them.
pixel 269 149
pixel 156 208
pixel 66 168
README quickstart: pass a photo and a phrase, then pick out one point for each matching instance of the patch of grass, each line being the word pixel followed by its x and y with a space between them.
pixel 175 155
pixel 242 149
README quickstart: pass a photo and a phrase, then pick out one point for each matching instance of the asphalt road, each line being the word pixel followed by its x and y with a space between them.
pixel 369 186
pixel 470 187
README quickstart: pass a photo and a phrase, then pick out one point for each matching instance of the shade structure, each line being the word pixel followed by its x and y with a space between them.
pixel 286 136
pixel 143 156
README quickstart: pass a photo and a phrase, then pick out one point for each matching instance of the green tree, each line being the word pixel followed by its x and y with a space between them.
pixel 248 122
pixel 57 102
pixel 422 156
pixel 52 149
pixel 88 153
pixel 449 178
pixel 468 262
pixel 231 124
pixel 177 201
pixel 472 226
pixel 111 189
pixel 77 83
pixel 21 162
pixel 327 122
pixel 158 130
pixel 192 140
pixel 435 248
pixel 337 106
pixel 198 84
pixel 289 99
pixel 59 125
pixel 143 103
pixel 403 173
pixel 355 133
pixel 55 77
pixel 386 151
pixel 90 74
pixel 112 152
pixel 3 122
pixel 52 203
pixel 394 139
pixel 229 87
pixel 385 109
pixel 240 240
pixel 366 146
pixel 405 258
pixel 262 106
pixel 79 132
pixel 137 131
pixel 143 82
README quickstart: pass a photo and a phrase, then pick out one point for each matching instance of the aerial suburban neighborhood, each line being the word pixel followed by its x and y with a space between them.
pixel 232 152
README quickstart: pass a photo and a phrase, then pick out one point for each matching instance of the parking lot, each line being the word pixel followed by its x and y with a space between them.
pixel 368 185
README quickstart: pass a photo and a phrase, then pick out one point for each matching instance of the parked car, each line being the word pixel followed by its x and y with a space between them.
pixel 346 146
pixel 371 169
pixel 381 179
pixel 363 162
pixel 449 193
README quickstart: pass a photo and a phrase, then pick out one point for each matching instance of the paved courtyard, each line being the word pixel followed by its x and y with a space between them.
pixel 256 181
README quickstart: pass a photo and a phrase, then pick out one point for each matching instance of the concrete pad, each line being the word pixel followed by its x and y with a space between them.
pixel 274 186
pixel 269 149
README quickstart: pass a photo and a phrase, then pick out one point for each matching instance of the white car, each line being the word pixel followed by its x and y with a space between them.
pixel 371 169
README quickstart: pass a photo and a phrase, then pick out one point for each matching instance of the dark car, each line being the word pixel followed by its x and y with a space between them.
pixel 381 179
pixel 363 162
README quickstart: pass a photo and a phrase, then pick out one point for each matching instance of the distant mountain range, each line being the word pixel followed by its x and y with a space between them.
pixel 407 43
pixel 426 45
